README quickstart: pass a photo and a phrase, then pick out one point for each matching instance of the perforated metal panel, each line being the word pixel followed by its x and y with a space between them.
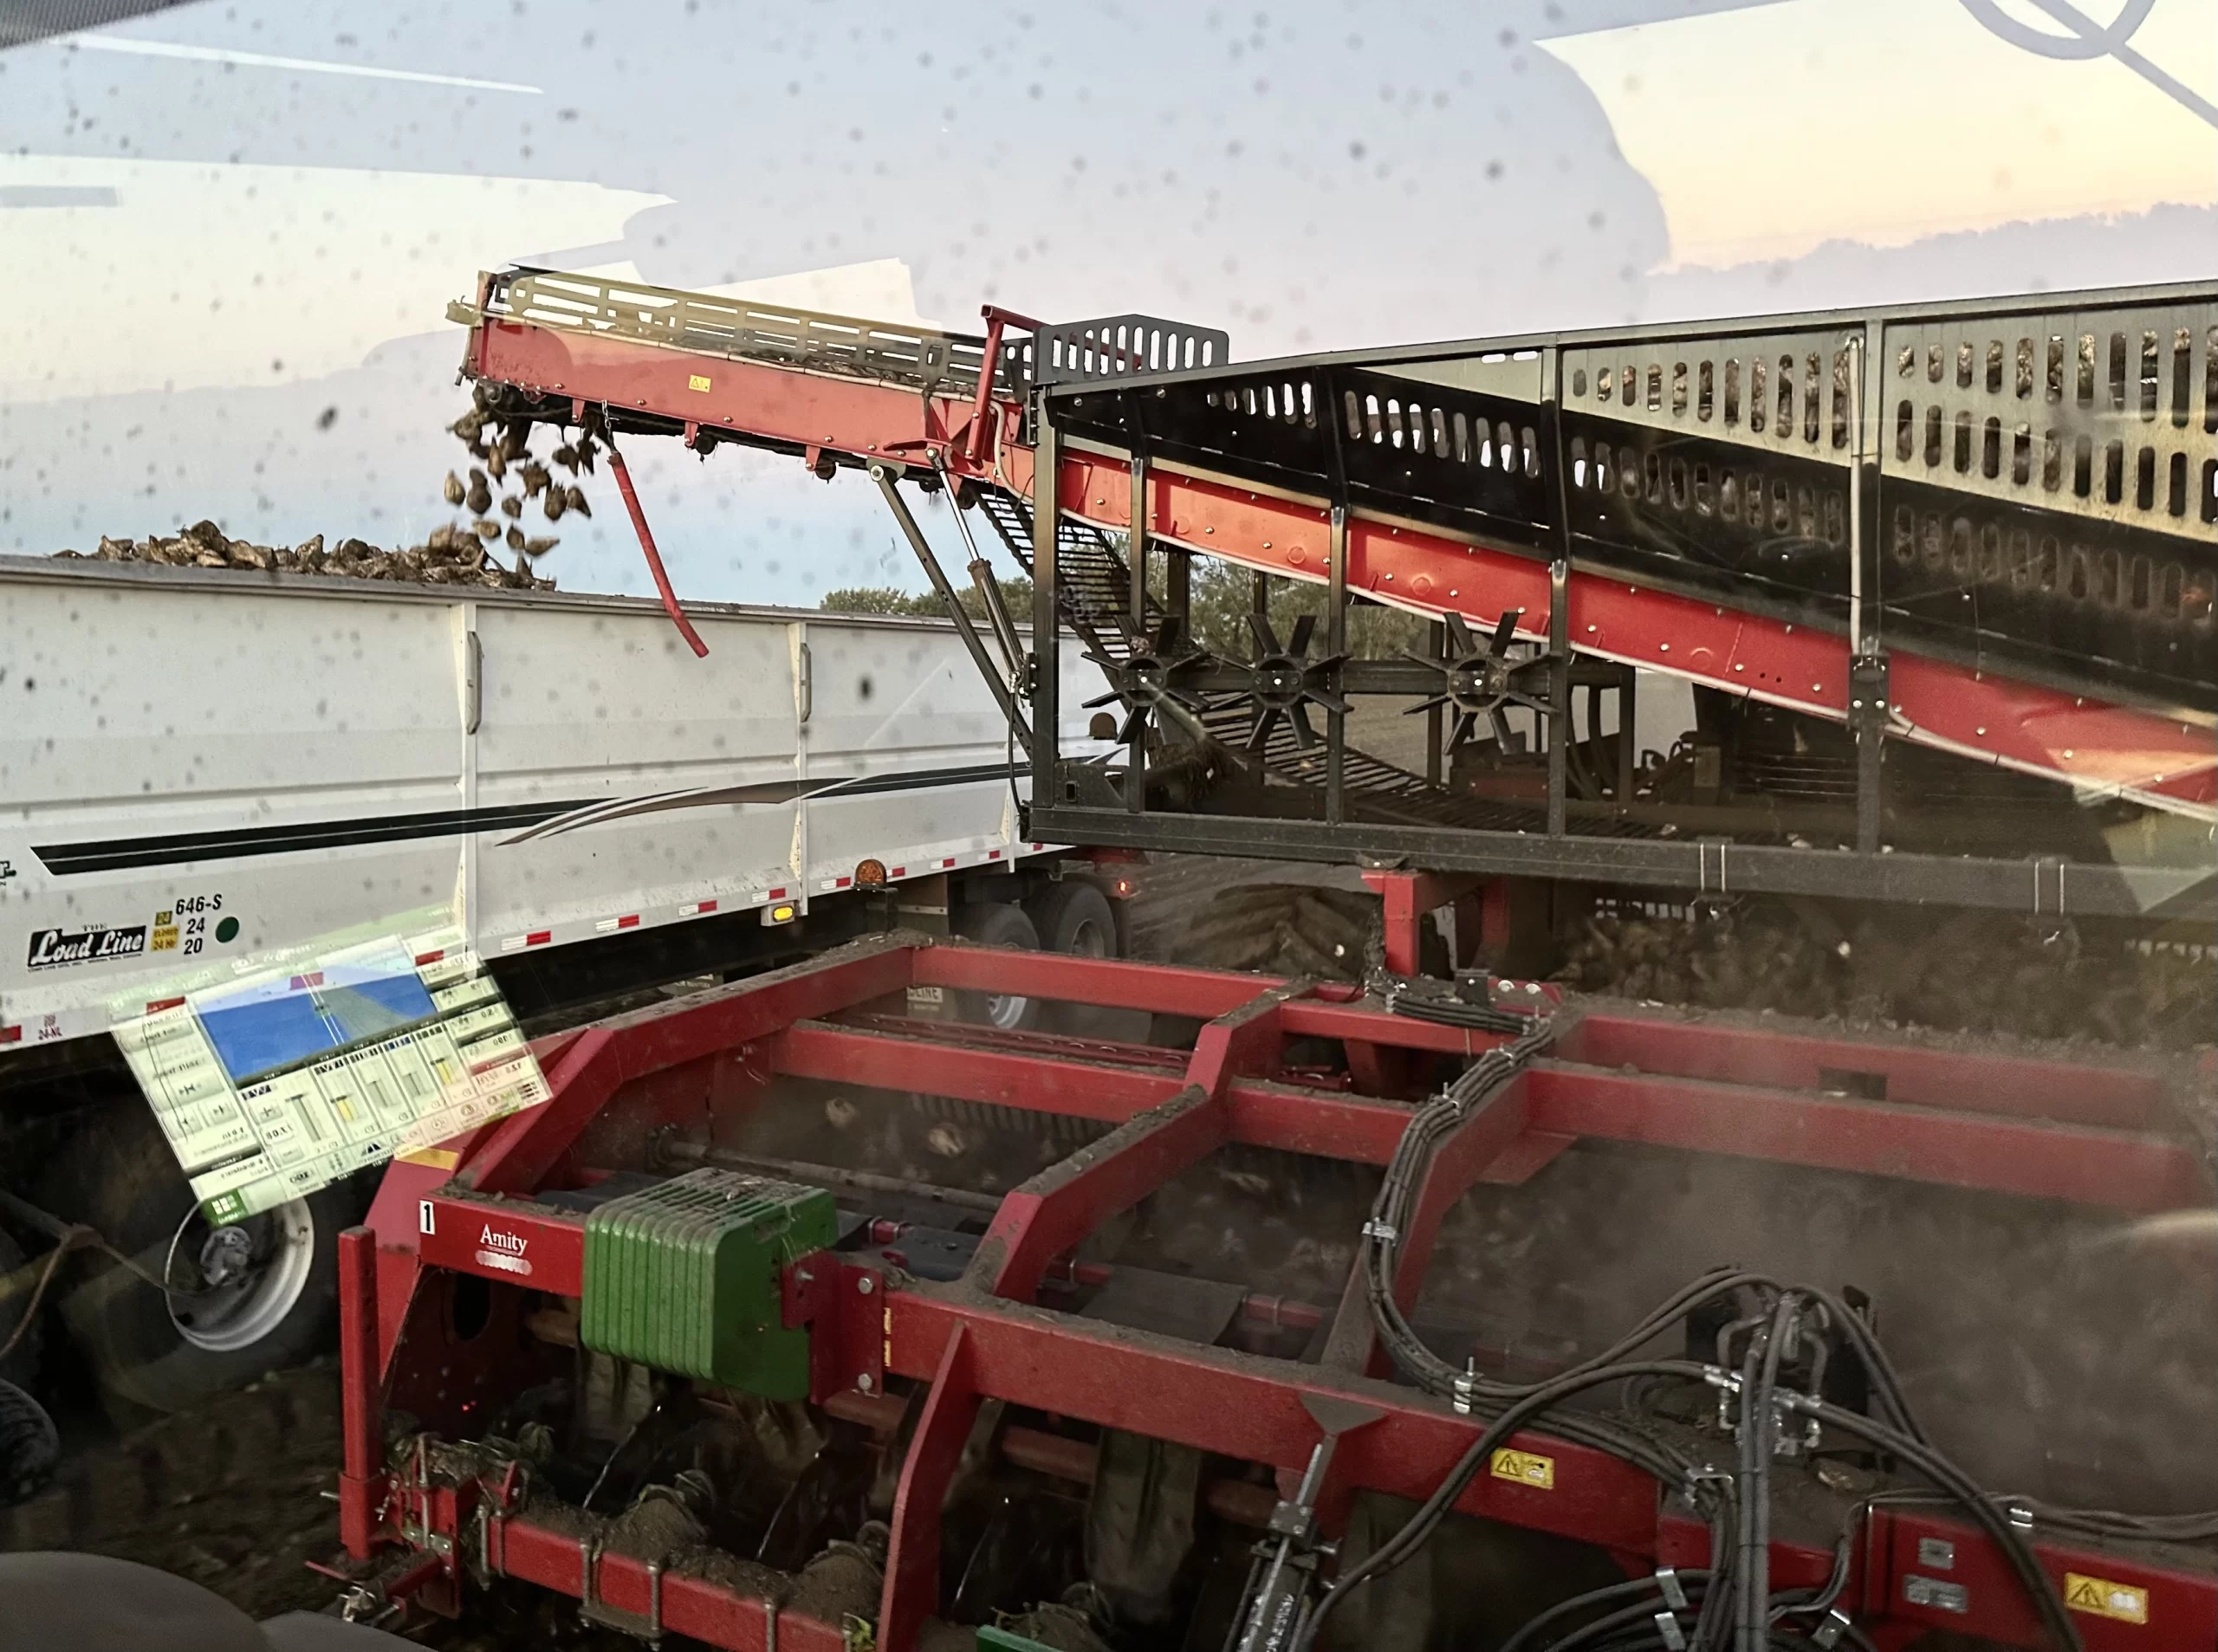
pixel 1782 391
pixel 1118 346
pixel 2042 476
pixel 2106 412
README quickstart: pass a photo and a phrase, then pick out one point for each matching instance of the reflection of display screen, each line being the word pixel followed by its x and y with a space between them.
pixel 319 1062
pixel 284 1021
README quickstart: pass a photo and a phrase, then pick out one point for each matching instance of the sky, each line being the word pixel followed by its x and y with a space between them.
pixel 228 231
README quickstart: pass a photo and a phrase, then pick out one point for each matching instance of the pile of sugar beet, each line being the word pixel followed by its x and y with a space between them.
pixel 504 482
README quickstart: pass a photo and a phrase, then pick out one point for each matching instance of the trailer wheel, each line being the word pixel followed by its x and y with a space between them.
pixel 1074 916
pixel 994 923
pixel 244 1299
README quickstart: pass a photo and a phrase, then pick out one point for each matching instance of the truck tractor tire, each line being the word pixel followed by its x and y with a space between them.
pixel 996 924
pixel 1074 916
pixel 244 1300
pixel 1285 929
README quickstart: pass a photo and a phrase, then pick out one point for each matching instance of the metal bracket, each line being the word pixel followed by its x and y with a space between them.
pixel 887 474
pixel 593 1610
pixel 1560 732
pixel 1867 720
pixel 2048 886
pixel 1703 848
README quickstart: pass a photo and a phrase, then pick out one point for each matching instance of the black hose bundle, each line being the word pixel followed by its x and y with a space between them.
pixel 1736 1607
pixel 1454 1012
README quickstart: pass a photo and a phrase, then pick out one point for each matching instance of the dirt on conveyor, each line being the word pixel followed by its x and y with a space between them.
pixel 1960 972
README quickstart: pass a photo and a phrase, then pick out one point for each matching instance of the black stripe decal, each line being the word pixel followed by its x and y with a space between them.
pixel 117 854
pixel 911 781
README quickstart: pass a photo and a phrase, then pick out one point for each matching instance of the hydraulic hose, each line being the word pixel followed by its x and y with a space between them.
pixel 1737 1592
pixel 1614 1595
pixel 1421 1524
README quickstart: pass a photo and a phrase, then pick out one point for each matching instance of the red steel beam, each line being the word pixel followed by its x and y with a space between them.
pixel 2004 1153
pixel 525 1147
pixel 1240 1042
pixel 1055 1209
pixel 1164 989
pixel 1956 707
pixel 1406 897
pixel 1456 1163
pixel 670 605
pixel 1259 1114
pixel 2181 1611
pixel 361 1478
pixel 1174 991
pixel 806 409
pixel 912 1591
pixel 711 1612
pixel 2033 1157
pixel 1241 1406
pixel 886 1061
pixel 2069 1093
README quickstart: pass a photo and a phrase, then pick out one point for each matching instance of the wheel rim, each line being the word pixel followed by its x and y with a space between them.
pixel 233 1285
pixel 1088 939
pixel 1006 1010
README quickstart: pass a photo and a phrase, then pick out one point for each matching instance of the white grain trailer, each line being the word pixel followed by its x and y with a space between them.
pixel 202 763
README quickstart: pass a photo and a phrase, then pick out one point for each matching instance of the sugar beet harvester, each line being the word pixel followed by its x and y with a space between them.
pixel 1293 1315
pixel 1942 579
pixel 800 1318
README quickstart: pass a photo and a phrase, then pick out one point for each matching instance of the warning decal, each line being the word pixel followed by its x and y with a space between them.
pixel 1527 1468
pixel 2125 1601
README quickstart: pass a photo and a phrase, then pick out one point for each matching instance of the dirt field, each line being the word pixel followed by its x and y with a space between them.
pixel 230 1495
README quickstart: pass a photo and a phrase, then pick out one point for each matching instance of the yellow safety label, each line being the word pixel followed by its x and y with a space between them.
pixel 438 1158
pixel 696 381
pixel 1527 1468
pixel 2104 1598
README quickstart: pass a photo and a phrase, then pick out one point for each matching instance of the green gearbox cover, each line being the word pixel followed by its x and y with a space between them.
pixel 1000 1640
pixel 685 1277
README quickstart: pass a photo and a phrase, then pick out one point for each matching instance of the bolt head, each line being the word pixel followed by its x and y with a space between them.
pixel 863 1384
pixel 866 1285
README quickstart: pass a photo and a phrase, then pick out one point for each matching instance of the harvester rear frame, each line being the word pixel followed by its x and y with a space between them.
pixel 2107 1133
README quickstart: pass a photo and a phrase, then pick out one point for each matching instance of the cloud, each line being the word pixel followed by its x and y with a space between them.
pixel 181 274
pixel 1769 132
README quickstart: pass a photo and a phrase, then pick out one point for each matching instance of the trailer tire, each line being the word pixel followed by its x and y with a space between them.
pixel 151 1352
pixel 997 923
pixel 1074 917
